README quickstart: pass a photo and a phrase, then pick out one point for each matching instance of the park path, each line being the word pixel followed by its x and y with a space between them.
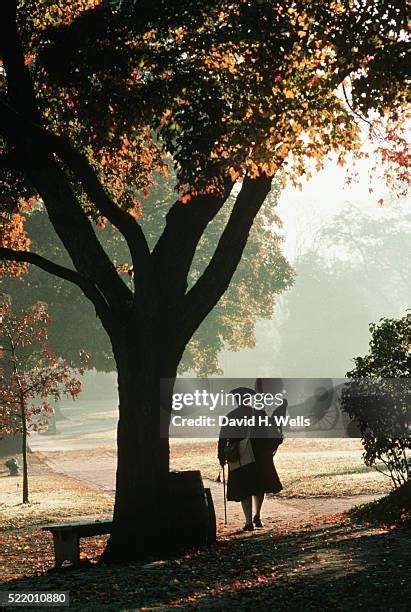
pixel 281 512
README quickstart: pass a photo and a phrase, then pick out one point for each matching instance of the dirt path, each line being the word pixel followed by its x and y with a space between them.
pixel 279 511
pixel 282 512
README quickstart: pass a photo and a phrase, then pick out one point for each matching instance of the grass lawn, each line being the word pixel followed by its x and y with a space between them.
pixel 53 498
pixel 307 467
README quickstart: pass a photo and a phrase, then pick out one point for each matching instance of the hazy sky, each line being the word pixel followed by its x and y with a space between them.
pixel 324 196
pixel 303 213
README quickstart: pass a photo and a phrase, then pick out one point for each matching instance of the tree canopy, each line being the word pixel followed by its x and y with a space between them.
pixel 389 354
pixel 218 91
pixel 222 87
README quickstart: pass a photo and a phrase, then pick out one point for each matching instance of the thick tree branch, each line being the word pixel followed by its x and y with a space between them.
pixel 41 262
pixel 19 85
pixel 56 270
pixel 144 282
pixel 209 288
pixel 65 212
pixel 86 174
pixel 172 258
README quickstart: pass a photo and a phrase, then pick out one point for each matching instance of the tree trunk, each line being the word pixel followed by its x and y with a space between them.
pixel 24 451
pixel 143 457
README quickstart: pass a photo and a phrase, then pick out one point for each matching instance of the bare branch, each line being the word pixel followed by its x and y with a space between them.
pixel 354 112
pixel 43 263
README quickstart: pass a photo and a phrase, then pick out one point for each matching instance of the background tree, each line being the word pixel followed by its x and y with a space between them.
pixel 96 98
pixel 354 269
pixel 32 374
pixel 382 408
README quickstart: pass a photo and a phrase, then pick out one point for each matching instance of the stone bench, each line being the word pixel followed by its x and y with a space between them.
pixel 66 538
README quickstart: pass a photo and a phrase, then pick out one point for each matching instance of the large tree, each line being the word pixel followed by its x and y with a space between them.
pixel 96 96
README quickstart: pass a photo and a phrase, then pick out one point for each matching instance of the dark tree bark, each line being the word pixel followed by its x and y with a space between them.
pixel 141 505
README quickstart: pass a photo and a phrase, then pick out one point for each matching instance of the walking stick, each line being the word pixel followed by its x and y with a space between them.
pixel 225 499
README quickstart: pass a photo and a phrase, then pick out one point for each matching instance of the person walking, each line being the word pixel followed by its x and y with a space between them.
pixel 248 450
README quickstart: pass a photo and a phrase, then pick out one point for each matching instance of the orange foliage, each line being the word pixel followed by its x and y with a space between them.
pixel 13 236
pixel 54 13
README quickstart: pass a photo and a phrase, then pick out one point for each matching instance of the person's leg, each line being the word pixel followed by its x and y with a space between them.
pixel 248 512
pixel 258 503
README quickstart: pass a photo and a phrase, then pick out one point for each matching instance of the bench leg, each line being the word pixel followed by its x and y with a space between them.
pixel 66 548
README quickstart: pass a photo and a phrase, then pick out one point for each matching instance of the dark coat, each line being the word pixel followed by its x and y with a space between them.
pixel 254 478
